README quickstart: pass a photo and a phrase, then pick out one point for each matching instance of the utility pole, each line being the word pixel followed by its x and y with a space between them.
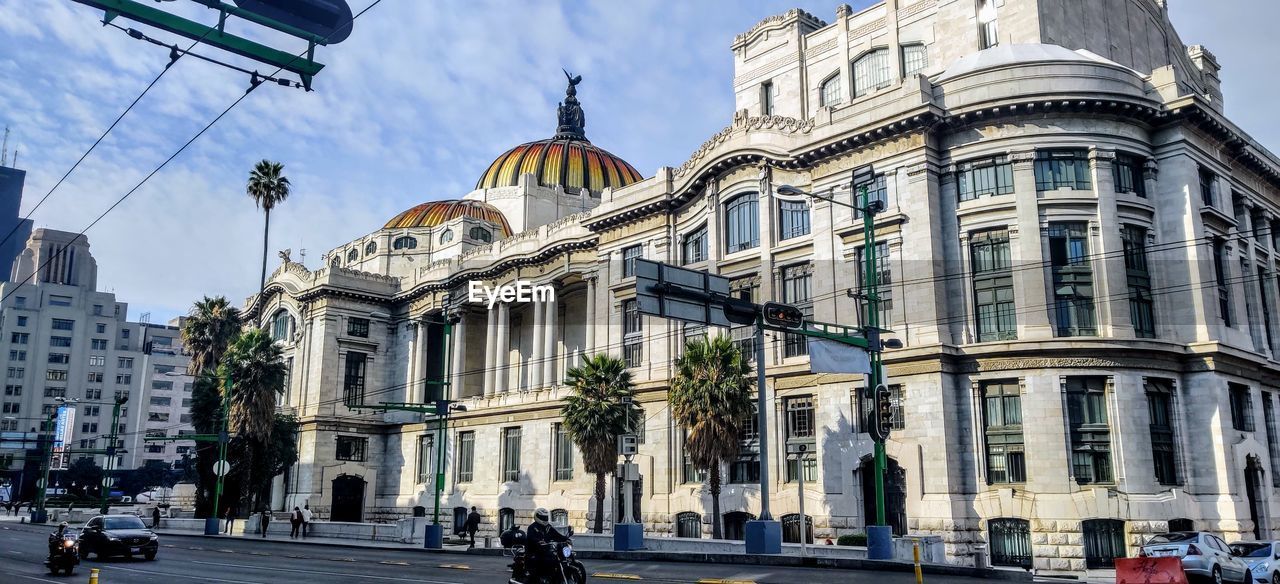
pixel 442 412
pixel 46 459
pixel 221 470
pixel 113 440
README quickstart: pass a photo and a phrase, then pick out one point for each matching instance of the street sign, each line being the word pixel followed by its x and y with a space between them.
pixel 783 315
pixel 668 291
pixel 221 467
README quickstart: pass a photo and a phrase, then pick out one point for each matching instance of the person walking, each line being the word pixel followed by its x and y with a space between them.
pixel 155 517
pixel 231 520
pixel 265 521
pixel 306 519
pixel 295 522
pixel 473 525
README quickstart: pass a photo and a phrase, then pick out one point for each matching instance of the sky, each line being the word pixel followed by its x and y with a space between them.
pixel 411 108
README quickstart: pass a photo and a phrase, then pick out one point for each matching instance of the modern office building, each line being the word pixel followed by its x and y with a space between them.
pixel 12 224
pixel 1078 252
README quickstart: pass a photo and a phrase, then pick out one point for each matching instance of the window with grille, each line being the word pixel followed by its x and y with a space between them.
pixel 877 190
pixel 883 282
pixel 16 355
pixel 358 327
pixel 988 29
pixel 1208 187
pixel 1103 542
pixel 353 379
pixel 915 58
pixel 19 338
pixel 746 468
pixel 871 72
pixel 59 358
pixel 689 524
pixel 995 316
pixel 511 454
pixel 13 390
pixel 1241 407
pixel 742 223
pixel 793 219
pixel 1062 169
pixel 1220 277
pixel 829 93
pixel 404 242
pixel 466 456
pixel 97 344
pixel 1127 173
pixel 1163 449
pixel 632 333
pixel 1141 306
pixel 564 454
pixel 1273 439
pixel 280 326
pixel 1090 429
pixel 629 256
pixel 693 248
pixel 1072 278
pixel 1010 542
pixel 62 324
pixel 796 291
pixel 480 234
pixel 800 419
pixel 689 473
pixel 506 519
pixel 351 448
pixel 792 528
pixel 59 341
pixel 426 458
pixel 1002 418
pixel 988 177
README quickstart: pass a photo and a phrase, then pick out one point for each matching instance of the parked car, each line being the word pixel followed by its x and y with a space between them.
pixel 1204 556
pixel 1263 558
pixel 118 535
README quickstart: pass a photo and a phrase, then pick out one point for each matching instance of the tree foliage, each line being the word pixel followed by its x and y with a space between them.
pixel 594 417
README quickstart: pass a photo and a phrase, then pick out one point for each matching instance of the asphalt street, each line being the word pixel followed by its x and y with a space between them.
pixel 248 561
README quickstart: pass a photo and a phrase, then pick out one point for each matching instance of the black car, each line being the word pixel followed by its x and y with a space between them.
pixel 117 535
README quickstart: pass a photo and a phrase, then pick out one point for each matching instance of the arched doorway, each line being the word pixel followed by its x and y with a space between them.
pixel 348 499
pixel 735 525
pixel 1253 486
pixel 895 494
pixel 791 528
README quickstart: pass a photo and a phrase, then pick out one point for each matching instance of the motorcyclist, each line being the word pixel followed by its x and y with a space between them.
pixel 55 538
pixel 540 533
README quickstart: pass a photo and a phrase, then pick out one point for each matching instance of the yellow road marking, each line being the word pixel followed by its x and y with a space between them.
pixel 723 581
pixel 615 576
pixel 455 566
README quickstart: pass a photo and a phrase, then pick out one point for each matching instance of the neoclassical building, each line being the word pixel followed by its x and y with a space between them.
pixel 1079 254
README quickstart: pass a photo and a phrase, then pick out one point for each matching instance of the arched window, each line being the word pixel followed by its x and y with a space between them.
pixel 353 255
pixel 370 248
pixel 742 222
pixel 481 234
pixel 559 517
pixel 793 219
pixel 791 528
pixel 404 242
pixel 446 236
pixel 1010 542
pixel 829 94
pixel 506 519
pixel 871 72
pixel 281 326
pixel 914 59
pixel 689 524
pixel 735 525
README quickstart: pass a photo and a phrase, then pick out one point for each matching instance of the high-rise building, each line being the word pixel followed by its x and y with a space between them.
pixel 11 184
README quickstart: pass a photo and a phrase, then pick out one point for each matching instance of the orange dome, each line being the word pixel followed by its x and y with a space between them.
pixel 440 212
pixel 570 162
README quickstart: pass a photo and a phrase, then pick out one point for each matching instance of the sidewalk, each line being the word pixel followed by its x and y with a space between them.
pixel 330 541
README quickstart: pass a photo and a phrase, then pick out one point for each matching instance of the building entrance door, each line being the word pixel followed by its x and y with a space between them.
pixel 348 499
pixel 1252 484
pixel 895 494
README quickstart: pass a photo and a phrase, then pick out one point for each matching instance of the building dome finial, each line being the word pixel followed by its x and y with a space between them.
pixel 572 122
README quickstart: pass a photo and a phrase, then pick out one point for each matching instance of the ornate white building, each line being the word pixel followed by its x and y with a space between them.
pixel 1080 261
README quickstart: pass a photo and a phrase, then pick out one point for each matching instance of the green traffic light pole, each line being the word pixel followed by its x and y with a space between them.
pixel 223 438
pixel 113 440
pixel 46 460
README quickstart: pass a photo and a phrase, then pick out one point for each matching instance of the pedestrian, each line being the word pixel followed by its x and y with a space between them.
pixel 155 517
pixel 306 519
pixel 266 520
pixel 231 520
pixel 473 525
pixel 295 522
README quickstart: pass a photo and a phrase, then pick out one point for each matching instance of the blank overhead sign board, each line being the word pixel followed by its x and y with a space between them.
pixel 668 291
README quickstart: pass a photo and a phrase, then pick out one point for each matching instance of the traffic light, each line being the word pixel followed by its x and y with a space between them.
pixel 783 315
pixel 882 415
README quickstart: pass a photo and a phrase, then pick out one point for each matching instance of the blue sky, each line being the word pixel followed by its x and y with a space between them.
pixel 411 108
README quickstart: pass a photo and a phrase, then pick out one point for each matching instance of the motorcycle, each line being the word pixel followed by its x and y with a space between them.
pixel 64 554
pixel 569 569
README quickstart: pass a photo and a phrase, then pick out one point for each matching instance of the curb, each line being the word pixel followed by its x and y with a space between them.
pixel 312 542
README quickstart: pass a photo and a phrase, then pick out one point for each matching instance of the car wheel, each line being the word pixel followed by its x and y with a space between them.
pixel 1217 575
pixel 150 556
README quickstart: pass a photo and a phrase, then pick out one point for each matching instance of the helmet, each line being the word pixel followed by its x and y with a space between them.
pixel 512 537
pixel 63 525
pixel 541 515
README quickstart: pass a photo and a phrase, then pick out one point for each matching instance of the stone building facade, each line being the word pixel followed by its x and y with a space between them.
pixel 1080 263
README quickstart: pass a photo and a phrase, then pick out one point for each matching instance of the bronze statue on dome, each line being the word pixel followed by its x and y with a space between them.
pixel 572 121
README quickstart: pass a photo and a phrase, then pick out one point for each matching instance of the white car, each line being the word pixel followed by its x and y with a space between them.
pixel 1263 558
pixel 1204 556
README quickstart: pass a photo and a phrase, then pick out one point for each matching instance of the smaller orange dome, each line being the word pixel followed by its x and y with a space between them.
pixel 441 212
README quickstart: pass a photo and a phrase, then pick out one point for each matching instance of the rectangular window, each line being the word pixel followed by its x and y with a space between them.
pixel 466 456
pixel 1062 169
pixel 162 401
pixel 12 408
pixel 92 411
pixel 162 385
pixel 98 344
pixel 564 454
pixel 1072 278
pixel 59 341
pixel 124 379
pixel 100 328
pixel 22 321
pixel 796 284
pixel 746 468
pixel 915 58
pixel 1273 439
pixel 1160 410
pixel 20 301
pixel 632 333
pixel 800 419
pixel 358 327
pixel 13 390
pixel 510 454
pixel 55 300
pixel 426 458
pixel 1090 429
pixel 353 379
pixel 93 393
pixel 19 338
pixel 1220 276
pixel 1208 187
pixel 766 98
pixel 17 372
pixel 1241 407
pixel 124 362
pixel 1250 304
pixel 97 361
pixel 993 176
pixel 744 336
pixel 55 391
pixel 1265 284
pixel 351 448
pixel 871 72
pixel 124 333
pixel 883 281
pixel 97 310
pixel 60 358
pixel 742 223
pixel 62 324
pixel 55 375
pixel 16 355
pixel 877 190
pixel 694 247
pixel 995 316
pixel 1141 306
pixel 988 31
pixel 95 377
pixel 1127 171
pixel 793 219
pixel 629 256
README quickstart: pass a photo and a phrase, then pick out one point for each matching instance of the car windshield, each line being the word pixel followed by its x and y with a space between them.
pixel 123 523
pixel 1251 550
pixel 1177 537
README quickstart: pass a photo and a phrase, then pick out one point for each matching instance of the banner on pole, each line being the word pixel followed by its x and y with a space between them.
pixel 62 428
pixel 833 357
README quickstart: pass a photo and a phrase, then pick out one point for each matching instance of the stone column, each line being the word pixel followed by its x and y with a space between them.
pixel 537 363
pixel 550 336
pixel 589 342
pixel 490 352
pixel 1110 279
pixel 501 373
pixel 458 358
pixel 1031 294
pixel 416 390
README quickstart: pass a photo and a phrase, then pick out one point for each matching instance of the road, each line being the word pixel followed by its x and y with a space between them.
pixel 184 559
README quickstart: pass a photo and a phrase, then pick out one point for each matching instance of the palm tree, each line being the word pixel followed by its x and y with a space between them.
pixel 256 371
pixel 210 327
pixel 595 416
pixel 711 399
pixel 269 187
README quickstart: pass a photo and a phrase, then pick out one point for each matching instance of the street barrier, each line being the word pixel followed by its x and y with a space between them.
pixel 93 576
pixel 1150 571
